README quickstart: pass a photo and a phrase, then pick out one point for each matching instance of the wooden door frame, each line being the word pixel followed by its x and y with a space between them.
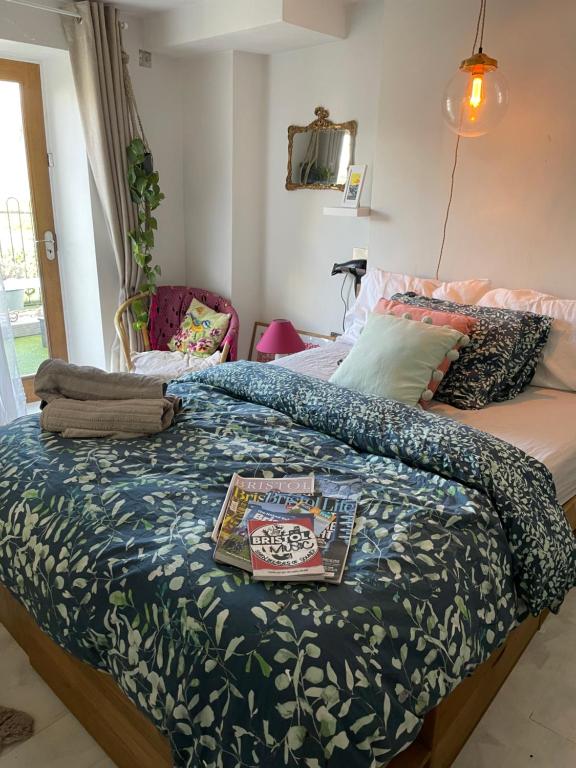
pixel 28 76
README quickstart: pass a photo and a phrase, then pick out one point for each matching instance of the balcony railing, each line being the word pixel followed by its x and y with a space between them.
pixel 18 258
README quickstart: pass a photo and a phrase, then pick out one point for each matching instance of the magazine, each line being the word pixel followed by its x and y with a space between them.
pixel 333 526
pixel 334 541
pixel 244 489
pixel 285 550
pixel 232 545
pixel 312 505
pixel 332 517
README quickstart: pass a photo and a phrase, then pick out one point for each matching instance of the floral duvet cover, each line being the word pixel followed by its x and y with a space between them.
pixel 107 544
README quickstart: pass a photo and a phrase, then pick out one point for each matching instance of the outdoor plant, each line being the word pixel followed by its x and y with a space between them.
pixel 143 182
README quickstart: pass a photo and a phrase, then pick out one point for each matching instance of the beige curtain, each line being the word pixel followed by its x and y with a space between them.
pixel 100 72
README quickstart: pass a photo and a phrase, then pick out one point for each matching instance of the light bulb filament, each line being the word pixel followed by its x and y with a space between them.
pixel 476 95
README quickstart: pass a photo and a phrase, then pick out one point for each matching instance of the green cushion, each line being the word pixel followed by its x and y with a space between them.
pixel 395 358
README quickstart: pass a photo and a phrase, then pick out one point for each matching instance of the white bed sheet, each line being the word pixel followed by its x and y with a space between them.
pixel 542 422
pixel 320 362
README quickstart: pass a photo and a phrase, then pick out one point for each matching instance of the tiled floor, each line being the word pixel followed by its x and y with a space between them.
pixel 531 723
pixel 59 740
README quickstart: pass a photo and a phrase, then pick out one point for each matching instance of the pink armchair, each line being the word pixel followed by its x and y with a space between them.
pixel 167 309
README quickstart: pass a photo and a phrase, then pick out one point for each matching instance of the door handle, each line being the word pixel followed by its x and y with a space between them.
pixel 49 245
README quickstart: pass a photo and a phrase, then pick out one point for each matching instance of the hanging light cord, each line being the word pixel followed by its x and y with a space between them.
pixel 445 227
pixel 479 35
pixel 480 27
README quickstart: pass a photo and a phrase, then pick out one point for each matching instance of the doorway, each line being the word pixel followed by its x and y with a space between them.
pixel 28 247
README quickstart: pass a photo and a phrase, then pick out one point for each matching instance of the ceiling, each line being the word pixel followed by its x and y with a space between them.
pixel 152 5
pixel 146 6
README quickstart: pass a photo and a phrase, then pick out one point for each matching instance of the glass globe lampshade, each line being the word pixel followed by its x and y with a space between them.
pixel 476 98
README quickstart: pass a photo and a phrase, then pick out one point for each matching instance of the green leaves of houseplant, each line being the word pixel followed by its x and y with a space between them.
pixel 143 182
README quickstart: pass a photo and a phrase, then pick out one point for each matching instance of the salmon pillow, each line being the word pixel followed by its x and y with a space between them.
pixel 465 325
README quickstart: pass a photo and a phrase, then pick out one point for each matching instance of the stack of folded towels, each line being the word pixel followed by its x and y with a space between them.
pixel 80 401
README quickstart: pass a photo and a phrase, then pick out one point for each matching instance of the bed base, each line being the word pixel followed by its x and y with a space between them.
pixel 132 741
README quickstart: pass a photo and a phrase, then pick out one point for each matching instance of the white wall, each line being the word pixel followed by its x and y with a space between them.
pixel 217 124
pixel 301 243
pixel 248 193
pixel 208 109
pixel 25 25
pixel 159 97
pixel 225 157
pixel 513 216
pixel 73 215
pixel 269 250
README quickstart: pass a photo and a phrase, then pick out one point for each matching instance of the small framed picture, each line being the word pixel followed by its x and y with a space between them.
pixel 354 184
pixel 257 333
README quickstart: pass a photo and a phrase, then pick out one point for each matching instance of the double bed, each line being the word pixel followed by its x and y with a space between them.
pixel 460 549
pixel 539 421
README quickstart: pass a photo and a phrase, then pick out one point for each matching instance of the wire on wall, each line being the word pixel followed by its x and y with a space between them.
pixel 478 38
pixel 449 206
pixel 345 301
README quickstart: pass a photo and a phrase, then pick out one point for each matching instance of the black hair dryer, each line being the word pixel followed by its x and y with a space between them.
pixel 354 267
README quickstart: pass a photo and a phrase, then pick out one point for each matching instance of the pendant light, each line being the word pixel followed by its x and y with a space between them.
pixel 476 98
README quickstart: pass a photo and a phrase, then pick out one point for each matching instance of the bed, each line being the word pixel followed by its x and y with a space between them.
pixel 539 421
pixel 105 552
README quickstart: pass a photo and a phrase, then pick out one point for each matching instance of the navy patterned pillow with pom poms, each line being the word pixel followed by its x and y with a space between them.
pixel 500 360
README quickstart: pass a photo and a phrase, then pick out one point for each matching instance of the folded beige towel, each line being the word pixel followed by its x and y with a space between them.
pixel 55 378
pixel 111 418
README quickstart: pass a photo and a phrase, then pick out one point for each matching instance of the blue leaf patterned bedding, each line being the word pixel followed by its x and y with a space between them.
pixel 107 544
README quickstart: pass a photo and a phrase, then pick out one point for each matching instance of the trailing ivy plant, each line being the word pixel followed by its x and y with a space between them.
pixel 143 182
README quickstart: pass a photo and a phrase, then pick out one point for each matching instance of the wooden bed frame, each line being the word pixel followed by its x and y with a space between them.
pixel 132 741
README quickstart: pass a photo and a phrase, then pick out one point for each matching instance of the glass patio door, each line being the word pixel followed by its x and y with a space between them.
pixel 28 248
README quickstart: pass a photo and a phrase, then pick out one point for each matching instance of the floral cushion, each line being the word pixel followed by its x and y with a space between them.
pixel 501 359
pixel 201 330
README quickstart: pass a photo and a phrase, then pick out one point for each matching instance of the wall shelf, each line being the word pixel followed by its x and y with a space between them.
pixel 341 211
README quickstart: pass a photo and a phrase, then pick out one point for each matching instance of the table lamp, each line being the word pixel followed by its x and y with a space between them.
pixel 280 338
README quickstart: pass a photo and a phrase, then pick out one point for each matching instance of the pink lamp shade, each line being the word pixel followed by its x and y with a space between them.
pixel 280 338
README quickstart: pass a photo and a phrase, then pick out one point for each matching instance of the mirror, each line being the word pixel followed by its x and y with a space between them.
pixel 319 154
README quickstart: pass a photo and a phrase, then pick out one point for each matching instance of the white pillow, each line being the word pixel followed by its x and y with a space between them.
pixel 557 368
pixel 378 284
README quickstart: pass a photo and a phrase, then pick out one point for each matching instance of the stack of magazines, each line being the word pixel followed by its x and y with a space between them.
pixel 287 528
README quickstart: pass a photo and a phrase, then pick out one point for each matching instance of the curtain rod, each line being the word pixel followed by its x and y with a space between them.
pixel 59 11
pixel 47 8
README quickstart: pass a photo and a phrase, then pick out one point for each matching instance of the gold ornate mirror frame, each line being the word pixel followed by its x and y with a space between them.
pixel 322 123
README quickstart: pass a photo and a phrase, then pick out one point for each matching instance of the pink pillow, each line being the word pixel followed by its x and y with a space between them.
pixel 461 323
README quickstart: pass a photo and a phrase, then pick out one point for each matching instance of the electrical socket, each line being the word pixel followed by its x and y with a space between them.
pixel 145 59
